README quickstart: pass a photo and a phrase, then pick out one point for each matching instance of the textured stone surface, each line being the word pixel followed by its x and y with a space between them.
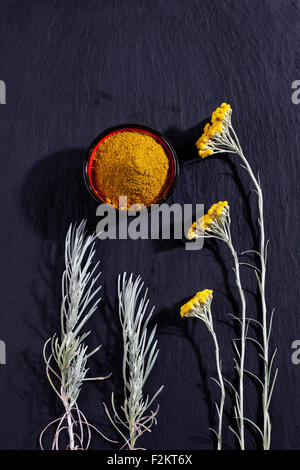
pixel 74 68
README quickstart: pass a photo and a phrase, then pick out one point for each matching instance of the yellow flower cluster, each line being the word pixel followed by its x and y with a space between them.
pixel 214 214
pixel 220 113
pixel 211 129
pixel 201 298
pixel 202 224
pixel 217 209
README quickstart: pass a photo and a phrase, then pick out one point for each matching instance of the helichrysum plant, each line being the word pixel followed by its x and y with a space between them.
pixel 220 137
pixel 200 307
pixel 139 356
pixel 67 360
pixel 216 224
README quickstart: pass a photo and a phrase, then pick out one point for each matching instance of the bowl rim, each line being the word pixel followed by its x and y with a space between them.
pixel 139 127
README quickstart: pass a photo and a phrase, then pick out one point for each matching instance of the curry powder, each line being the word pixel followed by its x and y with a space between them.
pixel 132 164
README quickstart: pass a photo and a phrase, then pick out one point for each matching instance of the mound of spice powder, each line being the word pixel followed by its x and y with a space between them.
pixel 132 164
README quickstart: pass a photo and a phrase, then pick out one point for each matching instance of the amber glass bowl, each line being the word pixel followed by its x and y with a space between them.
pixel 168 148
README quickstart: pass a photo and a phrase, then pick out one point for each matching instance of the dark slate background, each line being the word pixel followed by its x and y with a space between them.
pixel 74 68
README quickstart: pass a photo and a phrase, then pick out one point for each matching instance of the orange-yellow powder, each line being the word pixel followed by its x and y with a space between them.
pixel 132 164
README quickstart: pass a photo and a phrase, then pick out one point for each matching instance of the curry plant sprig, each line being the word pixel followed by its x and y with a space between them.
pixel 200 307
pixel 220 137
pixel 139 356
pixel 66 364
pixel 216 224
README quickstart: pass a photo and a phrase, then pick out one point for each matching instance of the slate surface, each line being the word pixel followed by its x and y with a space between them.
pixel 74 68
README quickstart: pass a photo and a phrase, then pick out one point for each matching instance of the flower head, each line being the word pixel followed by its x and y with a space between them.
pixel 218 211
pixel 216 132
pixel 213 222
pixel 198 304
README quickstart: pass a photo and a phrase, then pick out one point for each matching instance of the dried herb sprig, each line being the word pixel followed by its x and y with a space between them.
pixel 66 364
pixel 139 356
pixel 200 307
pixel 216 224
pixel 220 137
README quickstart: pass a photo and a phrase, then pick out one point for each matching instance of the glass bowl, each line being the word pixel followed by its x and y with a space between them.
pixel 168 148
